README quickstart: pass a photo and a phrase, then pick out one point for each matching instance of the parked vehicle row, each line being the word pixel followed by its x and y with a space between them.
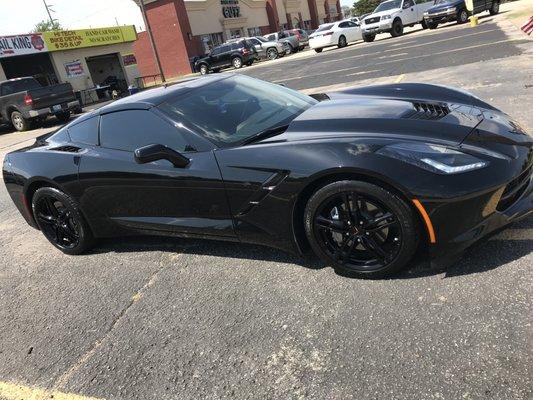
pixel 239 52
pixel 455 10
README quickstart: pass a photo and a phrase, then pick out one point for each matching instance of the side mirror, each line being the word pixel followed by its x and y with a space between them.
pixel 155 152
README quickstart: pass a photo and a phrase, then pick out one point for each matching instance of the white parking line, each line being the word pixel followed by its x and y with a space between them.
pixel 364 72
pixel 411 47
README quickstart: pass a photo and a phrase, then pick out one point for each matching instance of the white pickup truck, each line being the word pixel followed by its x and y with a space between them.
pixel 392 15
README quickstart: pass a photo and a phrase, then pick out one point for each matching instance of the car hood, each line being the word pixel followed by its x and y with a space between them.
pixel 377 117
pixel 444 6
pixel 382 13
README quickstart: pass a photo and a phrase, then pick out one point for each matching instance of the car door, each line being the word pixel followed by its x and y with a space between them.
pixel 224 58
pixel 409 13
pixel 156 196
pixel 258 47
pixel 354 31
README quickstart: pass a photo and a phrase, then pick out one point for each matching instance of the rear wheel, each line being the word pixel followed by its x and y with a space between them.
pixel 272 53
pixel 203 69
pixel 432 25
pixel 462 16
pixel 397 28
pixel 369 38
pixel 236 62
pixel 361 229
pixel 20 123
pixel 342 42
pixel 61 222
pixel 63 117
pixel 319 50
pixel 495 8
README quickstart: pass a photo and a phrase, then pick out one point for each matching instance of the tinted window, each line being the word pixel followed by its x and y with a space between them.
pixel 255 41
pixel 129 130
pixel 224 49
pixel 20 85
pixel 236 46
pixel 216 50
pixel 324 27
pixel 85 132
pixel 271 38
pixel 343 25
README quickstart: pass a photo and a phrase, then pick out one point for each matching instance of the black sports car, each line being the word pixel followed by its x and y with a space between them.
pixel 363 177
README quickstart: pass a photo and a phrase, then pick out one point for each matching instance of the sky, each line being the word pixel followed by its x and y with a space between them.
pixel 20 16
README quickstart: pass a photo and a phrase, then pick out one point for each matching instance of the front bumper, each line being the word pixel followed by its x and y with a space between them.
pixel 378 27
pixel 441 17
pixel 56 109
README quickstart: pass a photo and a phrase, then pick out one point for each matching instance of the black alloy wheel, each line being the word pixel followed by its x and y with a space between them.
pixel 397 28
pixel 462 17
pixel 60 221
pixel 203 69
pixel 342 41
pixel 319 50
pixel 362 229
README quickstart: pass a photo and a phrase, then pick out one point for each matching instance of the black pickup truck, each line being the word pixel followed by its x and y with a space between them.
pixel 24 100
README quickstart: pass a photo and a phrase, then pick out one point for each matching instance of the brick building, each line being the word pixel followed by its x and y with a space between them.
pixel 184 29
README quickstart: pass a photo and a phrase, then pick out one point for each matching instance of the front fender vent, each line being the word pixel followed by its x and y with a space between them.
pixel 431 111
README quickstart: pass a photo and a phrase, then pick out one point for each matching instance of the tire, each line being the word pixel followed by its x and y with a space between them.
pixel 397 28
pixel 319 50
pixel 372 245
pixel 462 16
pixel 424 24
pixel 204 69
pixel 369 38
pixel 236 62
pixel 342 42
pixel 494 8
pixel 432 25
pixel 290 50
pixel 272 54
pixel 20 123
pixel 63 117
pixel 61 222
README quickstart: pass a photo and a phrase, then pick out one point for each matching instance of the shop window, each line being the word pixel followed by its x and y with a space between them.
pixel 254 31
pixel 235 33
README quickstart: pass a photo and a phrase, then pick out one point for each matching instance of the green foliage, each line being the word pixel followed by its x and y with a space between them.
pixel 365 6
pixel 47 25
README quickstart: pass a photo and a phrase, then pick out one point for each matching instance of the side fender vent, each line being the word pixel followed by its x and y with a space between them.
pixel 429 111
pixel 67 149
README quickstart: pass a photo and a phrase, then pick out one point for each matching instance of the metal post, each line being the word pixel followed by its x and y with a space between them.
pixel 48 11
pixel 152 42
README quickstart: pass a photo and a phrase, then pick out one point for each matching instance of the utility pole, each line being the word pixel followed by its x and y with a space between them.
pixel 48 11
pixel 152 42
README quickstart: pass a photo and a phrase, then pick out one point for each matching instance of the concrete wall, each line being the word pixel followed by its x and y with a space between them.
pixel 59 58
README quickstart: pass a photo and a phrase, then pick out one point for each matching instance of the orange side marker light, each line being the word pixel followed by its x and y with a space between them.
pixel 427 221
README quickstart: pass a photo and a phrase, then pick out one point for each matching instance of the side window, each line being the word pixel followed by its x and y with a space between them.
pixel 6 89
pixel 236 46
pixel 215 51
pixel 85 132
pixel 255 41
pixel 343 25
pixel 131 129
pixel 224 49
pixel 352 24
pixel 408 3
pixel 271 38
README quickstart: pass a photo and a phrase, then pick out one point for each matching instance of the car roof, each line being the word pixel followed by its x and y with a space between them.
pixel 153 97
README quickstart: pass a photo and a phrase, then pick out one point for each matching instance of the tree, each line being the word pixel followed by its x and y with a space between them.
pixel 47 25
pixel 365 6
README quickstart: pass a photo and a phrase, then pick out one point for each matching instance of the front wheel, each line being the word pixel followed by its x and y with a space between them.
pixel 60 221
pixel 20 123
pixel 432 25
pixel 272 54
pixel 319 50
pixel 462 17
pixel 369 38
pixel 63 117
pixel 397 28
pixel 495 8
pixel 361 229
pixel 203 69
pixel 236 62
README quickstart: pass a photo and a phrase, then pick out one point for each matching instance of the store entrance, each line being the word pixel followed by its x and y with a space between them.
pixel 37 65
pixel 107 72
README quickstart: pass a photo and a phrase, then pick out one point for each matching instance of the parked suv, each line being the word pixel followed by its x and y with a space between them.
pixel 233 55
pixel 266 49
pixel 455 10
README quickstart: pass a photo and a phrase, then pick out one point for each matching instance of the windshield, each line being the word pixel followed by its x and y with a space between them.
pixel 324 27
pixel 229 111
pixel 262 39
pixel 388 5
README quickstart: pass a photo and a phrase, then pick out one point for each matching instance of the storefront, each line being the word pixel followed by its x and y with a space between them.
pixel 89 59
pixel 185 29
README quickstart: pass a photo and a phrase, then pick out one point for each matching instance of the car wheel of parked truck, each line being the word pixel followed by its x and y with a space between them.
pixel 397 28
pixel 462 17
pixel 369 38
pixel 63 117
pixel 19 122
pixel 495 8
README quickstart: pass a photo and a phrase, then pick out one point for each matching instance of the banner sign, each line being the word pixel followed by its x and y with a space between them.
pixel 80 38
pixel 20 45
pixel 129 59
pixel 74 69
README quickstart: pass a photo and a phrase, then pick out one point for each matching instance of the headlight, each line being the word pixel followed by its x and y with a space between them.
pixel 426 14
pixel 385 17
pixel 434 158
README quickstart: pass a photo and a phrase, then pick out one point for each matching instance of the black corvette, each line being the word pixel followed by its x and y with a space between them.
pixel 364 177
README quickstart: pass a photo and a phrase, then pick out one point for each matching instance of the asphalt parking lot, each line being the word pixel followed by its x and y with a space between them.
pixel 155 318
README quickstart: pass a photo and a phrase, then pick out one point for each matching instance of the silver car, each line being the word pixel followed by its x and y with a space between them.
pixel 292 42
pixel 268 49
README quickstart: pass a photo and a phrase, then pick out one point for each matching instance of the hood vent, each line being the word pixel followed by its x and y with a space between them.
pixel 427 111
pixel 67 148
